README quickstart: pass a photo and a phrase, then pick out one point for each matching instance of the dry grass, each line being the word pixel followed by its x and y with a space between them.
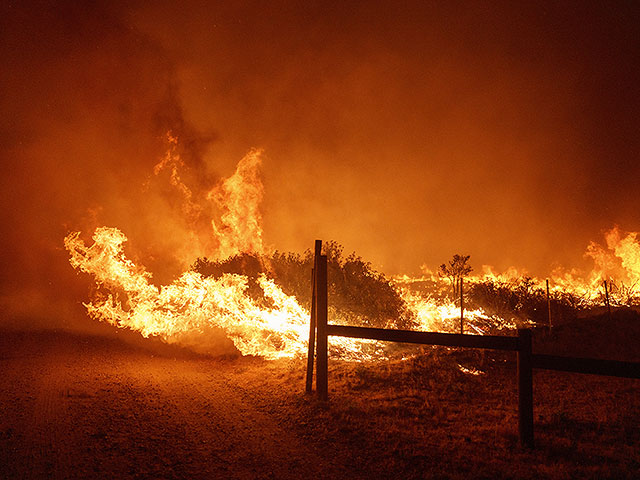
pixel 86 407
pixel 425 418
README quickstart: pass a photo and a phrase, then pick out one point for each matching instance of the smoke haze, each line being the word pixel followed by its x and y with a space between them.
pixel 407 133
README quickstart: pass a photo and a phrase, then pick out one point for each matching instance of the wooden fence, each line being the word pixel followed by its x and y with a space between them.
pixel 320 330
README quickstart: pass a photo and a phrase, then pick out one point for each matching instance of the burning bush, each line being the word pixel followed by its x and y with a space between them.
pixel 521 298
pixel 358 293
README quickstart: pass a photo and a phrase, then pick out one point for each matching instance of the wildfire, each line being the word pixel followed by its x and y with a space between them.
pixel 616 262
pixel 444 316
pixel 274 324
pixel 191 304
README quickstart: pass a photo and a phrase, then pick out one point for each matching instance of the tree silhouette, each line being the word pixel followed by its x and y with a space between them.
pixel 455 271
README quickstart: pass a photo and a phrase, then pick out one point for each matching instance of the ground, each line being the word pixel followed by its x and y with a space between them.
pixel 83 406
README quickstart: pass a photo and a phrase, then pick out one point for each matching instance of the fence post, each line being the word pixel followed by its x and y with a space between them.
pixel 606 296
pixel 322 354
pixel 461 307
pixel 525 388
pixel 548 305
pixel 312 319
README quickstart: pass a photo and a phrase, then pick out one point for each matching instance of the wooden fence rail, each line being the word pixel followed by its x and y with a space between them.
pixel 320 330
pixel 426 338
pixel 611 368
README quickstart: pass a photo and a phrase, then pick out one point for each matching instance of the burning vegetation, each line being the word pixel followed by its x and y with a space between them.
pixel 454 134
pixel 260 299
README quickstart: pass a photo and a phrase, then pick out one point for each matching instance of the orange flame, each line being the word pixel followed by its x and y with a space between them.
pixel 190 304
pixel 276 325
pixel 239 197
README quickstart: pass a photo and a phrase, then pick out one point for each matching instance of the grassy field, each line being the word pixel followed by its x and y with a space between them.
pixel 448 413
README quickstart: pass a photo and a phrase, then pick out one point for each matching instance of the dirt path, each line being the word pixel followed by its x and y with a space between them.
pixel 74 406
pixel 83 407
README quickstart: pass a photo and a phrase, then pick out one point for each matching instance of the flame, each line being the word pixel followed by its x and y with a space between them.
pixel 193 304
pixel 236 200
pixel 622 257
pixel 276 325
pixel 273 326
pixel 239 197
pixel 444 316
pixel 617 262
pixel 190 304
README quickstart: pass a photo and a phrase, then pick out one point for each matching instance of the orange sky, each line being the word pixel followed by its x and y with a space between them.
pixel 407 133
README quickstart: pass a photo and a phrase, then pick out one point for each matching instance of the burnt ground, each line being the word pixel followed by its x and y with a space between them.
pixel 81 406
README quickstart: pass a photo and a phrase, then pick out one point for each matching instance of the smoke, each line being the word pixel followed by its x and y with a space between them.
pixel 407 133
pixel 411 133
pixel 86 106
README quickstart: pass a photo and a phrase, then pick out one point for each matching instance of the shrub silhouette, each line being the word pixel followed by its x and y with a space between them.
pixel 520 299
pixel 358 294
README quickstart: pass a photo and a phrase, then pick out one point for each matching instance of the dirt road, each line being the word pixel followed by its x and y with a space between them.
pixel 79 406
pixel 90 407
